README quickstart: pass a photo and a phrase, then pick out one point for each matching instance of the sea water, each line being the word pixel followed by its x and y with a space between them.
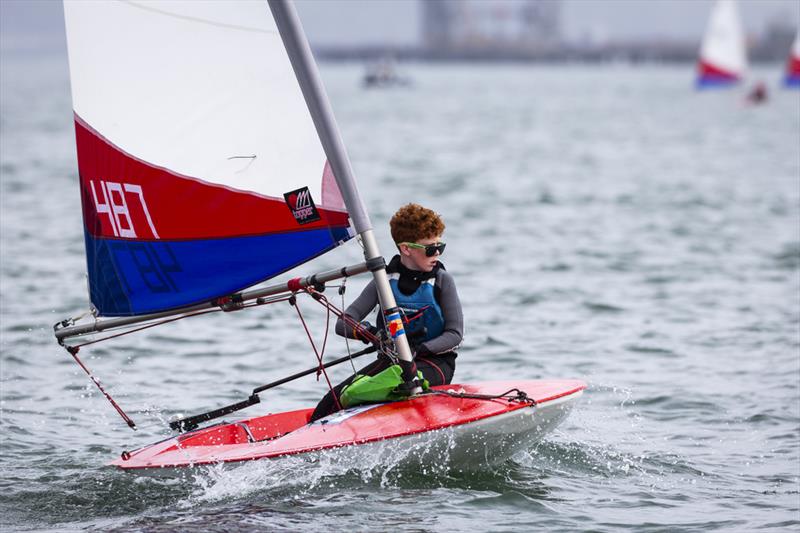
pixel 606 223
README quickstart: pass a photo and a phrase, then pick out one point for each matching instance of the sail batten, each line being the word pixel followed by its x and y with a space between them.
pixel 201 171
pixel 196 19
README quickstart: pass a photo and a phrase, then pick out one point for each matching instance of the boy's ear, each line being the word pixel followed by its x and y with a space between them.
pixel 403 248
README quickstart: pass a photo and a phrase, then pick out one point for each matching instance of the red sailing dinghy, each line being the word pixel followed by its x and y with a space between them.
pixel 209 162
pixel 462 431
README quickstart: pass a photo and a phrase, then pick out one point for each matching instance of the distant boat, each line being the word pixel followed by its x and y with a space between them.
pixel 792 78
pixel 758 94
pixel 383 74
pixel 723 58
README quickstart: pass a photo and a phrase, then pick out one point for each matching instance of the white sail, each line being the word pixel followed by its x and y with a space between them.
pixel 189 85
pixel 723 56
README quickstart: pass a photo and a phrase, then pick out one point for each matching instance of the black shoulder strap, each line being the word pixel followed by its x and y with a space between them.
pixel 437 289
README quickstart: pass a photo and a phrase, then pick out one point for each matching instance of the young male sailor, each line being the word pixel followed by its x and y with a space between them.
pixel 424 291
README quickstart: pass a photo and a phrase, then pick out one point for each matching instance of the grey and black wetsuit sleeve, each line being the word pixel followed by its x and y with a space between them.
pixel 358 310
pixel 447 297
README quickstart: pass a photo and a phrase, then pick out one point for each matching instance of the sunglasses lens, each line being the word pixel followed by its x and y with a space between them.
pixel 431 249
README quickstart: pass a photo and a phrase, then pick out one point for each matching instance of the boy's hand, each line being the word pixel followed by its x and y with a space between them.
pixel 369 328
pixel 422 351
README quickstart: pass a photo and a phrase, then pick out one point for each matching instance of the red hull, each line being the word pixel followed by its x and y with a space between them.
pixel 289 433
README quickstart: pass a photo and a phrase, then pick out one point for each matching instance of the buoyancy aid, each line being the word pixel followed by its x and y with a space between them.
pixel 422 316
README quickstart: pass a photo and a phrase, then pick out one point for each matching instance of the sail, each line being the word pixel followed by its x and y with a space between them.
pixel 792 78
pixel 723 58
pixel 201 171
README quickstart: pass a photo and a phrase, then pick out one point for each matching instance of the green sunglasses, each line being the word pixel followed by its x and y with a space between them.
pixel 430 249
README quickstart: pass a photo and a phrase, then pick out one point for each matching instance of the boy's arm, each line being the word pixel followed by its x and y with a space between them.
pixel 358 310
pixel 453 332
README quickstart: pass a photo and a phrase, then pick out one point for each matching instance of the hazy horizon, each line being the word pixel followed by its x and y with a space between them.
pixel 38 26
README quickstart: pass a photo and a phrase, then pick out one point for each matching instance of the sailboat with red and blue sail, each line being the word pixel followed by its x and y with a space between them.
pixel 209 161
pixel 723 55
pixel 792 76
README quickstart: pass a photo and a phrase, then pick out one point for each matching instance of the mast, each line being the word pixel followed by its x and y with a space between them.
pixel 305 69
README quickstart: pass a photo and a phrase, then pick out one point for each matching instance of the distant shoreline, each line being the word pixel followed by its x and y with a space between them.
pixel 624 53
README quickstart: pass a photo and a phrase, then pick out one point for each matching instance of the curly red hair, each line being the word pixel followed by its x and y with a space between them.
pixel 413 222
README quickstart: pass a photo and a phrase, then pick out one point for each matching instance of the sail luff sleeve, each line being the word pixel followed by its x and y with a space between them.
pixel 321 113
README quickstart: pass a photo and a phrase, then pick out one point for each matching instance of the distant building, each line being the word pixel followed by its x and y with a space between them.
pixel 437 22
pixel 496 26
pixel 774 43
pixel 531 31
pixel 542 22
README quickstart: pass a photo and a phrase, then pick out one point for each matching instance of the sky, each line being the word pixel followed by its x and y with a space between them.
pixel 37 25
pixel 397 21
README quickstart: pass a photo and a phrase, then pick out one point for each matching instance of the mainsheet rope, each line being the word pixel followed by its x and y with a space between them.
pixel 321 368
pixel 259 302
pixel 520 396
pixel 358 329
pixel 342 290
pixel 317 296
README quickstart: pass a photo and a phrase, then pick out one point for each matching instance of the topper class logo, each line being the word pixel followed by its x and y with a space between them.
pixel 302 205
pixel 300 200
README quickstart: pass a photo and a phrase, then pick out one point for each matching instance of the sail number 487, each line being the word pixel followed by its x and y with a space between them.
pixel 114 204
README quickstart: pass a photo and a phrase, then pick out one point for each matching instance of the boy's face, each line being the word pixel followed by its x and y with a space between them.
pixel 416 259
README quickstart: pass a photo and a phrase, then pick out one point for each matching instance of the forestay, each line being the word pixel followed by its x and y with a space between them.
pixel 201 171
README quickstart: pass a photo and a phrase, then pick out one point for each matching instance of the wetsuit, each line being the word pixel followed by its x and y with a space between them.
pixel 435 357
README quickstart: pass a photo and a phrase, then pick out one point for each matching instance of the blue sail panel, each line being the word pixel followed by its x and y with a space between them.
pixel 138 277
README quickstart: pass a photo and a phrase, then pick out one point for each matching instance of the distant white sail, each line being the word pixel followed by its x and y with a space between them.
pixel 723 56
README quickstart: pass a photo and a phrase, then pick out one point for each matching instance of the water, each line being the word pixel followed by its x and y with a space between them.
pixel 604 223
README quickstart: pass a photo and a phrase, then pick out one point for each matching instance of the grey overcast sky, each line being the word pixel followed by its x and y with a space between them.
pixel 397 21
pixel 37 25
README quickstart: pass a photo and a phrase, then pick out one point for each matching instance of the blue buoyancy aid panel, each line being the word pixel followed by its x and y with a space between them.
pixel 423 318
